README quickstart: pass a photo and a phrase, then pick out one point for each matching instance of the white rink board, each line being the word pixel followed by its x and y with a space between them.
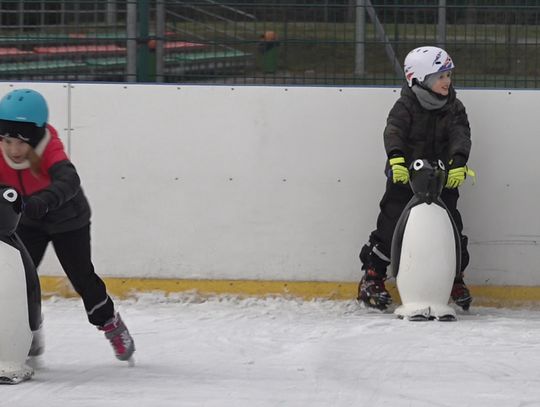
pixel 501 211
pixel 211 182
pixel 220 182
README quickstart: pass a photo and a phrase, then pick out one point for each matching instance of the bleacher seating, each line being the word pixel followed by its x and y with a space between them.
pixel 202 63
pixel 89 59
pixel 80 49
pixel 37 67
pixel 182 46
pixel 12 51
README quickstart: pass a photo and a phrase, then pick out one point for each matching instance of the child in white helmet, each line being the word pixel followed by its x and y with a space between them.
pixel 55 209
pixel 427 121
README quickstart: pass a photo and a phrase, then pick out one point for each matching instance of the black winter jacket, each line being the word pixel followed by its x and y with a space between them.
pixel 68 207
pixel 415 132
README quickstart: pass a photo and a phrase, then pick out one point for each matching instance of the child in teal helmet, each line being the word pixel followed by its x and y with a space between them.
pixel 55 209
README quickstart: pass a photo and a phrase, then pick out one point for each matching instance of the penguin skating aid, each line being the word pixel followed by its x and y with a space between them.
pixel 20 305
pixel 426 255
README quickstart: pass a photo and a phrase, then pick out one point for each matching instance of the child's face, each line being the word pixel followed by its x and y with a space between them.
pixel 17 150
pixel 442 84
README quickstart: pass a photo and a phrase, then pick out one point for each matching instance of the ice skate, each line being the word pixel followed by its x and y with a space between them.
pixel 372 292
pixel 118 335
pixel 38 343
pixel 37 348
pixel 461 294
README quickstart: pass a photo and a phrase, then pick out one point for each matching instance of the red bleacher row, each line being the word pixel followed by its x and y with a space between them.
pixel 92 49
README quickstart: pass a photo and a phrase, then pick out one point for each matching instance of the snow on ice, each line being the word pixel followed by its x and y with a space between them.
pixel 227 351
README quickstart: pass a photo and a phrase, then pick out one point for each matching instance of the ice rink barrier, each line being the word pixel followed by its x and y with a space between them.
pixel 215 187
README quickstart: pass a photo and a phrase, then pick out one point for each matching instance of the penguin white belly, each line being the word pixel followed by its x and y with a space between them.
pixel 16 336
pixel 427 263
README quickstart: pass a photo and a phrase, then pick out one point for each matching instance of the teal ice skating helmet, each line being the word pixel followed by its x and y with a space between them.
pixel 24 105
pixel 23 115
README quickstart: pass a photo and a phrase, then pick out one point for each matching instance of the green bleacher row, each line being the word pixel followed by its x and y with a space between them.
pixel 62 65
pixel 73 38
pixel 81 53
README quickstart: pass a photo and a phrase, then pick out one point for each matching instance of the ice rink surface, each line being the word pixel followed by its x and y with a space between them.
pixel 235 352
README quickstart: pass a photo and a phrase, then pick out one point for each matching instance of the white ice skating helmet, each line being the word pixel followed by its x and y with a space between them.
pixel 423 61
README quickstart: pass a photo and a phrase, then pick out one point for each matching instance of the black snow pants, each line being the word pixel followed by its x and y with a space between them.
pixel 74 253
pixel 376 253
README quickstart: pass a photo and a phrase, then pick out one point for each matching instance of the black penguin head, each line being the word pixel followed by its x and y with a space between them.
pixel 10 210
pixel 427 179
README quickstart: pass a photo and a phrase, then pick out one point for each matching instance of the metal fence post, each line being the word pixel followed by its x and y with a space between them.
pixel 131 28
pixel 160 39
pixel 143 55
pixel 441 25
pixel 360 38
pixel 20 16
pixel 111 12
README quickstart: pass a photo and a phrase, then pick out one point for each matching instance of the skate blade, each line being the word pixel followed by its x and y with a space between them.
pixel 131 361
pixel 419 315
pixel 373 309
pixel 419 318
pixel 16 378
pixel 447 318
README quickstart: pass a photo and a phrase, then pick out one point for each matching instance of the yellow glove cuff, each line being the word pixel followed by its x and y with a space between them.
pixel 396 160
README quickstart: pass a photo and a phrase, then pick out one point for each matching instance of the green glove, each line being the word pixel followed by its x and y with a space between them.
pixel 400 173
pixel 456 176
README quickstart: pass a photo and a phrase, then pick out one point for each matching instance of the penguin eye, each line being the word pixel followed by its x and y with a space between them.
pixel 418 164
pixel 10 195
pixel 441 165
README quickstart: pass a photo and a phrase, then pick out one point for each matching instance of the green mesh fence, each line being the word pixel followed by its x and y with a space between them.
pixel 316 42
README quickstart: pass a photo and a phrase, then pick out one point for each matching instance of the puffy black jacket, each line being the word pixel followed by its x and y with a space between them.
pixel 68 207
pixel 416 132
